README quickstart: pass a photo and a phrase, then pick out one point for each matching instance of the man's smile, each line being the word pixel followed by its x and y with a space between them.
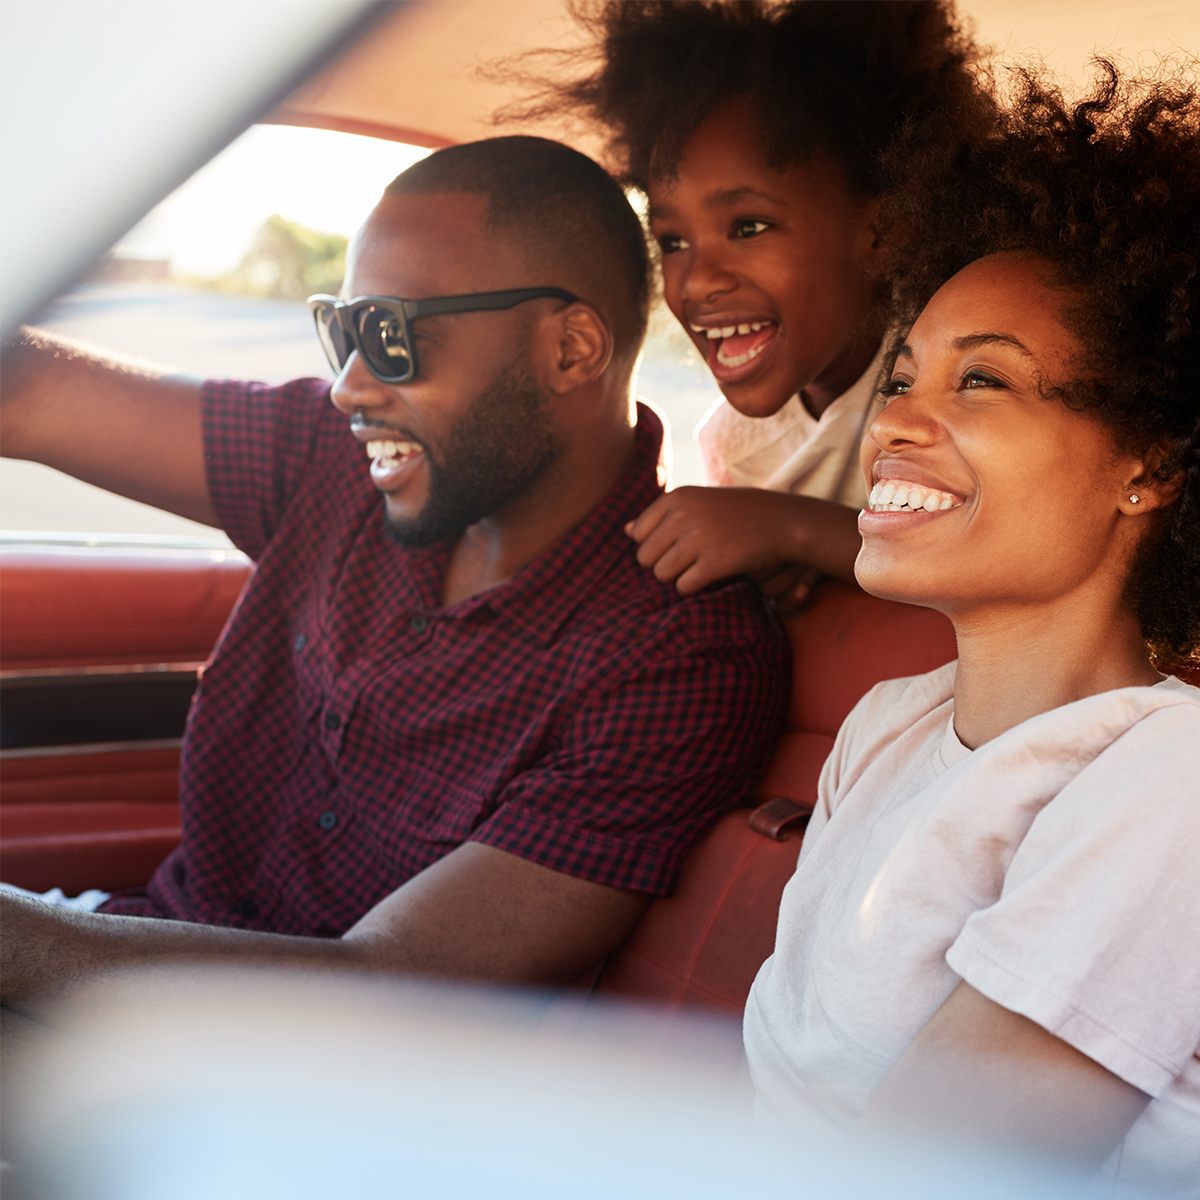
pixel 388 456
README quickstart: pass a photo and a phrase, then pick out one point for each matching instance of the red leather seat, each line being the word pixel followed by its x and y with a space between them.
pixel 704 944
pixel 100 816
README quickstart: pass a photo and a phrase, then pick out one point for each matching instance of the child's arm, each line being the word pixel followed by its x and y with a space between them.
pixel 698 535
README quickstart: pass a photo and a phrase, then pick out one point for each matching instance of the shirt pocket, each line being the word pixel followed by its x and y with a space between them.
pixel 421 808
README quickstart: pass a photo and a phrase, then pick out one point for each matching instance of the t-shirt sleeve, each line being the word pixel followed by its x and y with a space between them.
pixel 648 761
pixel 258 439
pixel 1094 936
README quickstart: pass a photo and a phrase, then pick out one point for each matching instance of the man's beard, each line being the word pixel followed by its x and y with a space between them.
pixel 496 451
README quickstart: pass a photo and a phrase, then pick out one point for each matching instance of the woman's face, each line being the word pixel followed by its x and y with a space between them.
pixel 766 269
pixel 1018 499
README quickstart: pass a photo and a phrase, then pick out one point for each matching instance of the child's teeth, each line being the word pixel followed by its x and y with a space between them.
pixel 738 360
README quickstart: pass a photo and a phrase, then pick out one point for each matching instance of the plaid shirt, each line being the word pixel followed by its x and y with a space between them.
pixel 349 730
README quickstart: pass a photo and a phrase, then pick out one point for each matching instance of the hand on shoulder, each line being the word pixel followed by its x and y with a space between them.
pixel 697 536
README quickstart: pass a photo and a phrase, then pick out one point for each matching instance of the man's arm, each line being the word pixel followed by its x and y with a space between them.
pixel 478 913
pixel 130 427
pixel 993 1077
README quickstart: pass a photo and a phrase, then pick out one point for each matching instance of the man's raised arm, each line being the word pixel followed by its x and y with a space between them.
pixel 128 426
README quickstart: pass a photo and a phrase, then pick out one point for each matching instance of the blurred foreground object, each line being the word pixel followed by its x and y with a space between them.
pixel 109 106
pixel 226 1083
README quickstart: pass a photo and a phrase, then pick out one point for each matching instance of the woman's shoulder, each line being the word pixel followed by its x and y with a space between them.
pixel 894 708
pixel 1179 687
pixel 899 702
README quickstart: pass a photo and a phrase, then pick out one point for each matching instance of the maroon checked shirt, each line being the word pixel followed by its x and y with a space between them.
pixel 349 730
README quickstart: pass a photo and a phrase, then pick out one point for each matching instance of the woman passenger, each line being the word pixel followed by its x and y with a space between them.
pixel 994 926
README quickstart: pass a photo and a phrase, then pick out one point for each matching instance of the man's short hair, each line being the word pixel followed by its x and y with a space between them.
pixel 564 209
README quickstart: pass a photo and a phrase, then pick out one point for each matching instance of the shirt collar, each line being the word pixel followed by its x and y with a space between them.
pixel 545 592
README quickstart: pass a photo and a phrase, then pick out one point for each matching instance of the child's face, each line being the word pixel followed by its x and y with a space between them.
pixel 777 257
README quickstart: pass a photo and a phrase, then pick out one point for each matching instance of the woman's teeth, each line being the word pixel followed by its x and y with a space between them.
pixel 899 496
pixel 388 454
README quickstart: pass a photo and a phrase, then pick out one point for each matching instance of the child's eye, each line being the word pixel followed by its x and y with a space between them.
pixel 750 227
pixel 895 387
pixel 669 243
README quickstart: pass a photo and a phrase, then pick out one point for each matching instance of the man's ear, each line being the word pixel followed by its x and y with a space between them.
pixel 1148 487
pixel 574 348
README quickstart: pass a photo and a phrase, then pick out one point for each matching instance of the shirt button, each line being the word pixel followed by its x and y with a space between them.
pixel 419 623
pixel 328 819
pixel 332 720
pixel 300 642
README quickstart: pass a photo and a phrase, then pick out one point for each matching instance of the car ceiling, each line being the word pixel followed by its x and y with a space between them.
pixel 416 78
pixel 109 106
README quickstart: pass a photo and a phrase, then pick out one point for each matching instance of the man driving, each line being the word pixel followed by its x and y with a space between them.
pixel 459 732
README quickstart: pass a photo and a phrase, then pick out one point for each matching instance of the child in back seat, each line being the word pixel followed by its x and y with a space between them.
pixel 755 130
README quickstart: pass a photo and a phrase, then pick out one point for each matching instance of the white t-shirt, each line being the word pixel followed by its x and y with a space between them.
pixel 793 451
pixel 1056 869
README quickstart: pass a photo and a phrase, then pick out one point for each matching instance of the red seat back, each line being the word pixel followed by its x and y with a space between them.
pixel 705 943
pixel 100 815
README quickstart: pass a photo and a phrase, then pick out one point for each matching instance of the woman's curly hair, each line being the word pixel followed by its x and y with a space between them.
pixel 822 75
pixel 1107 191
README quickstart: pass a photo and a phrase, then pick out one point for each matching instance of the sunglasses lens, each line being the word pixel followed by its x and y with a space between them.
pixel 332 337
pixel 384 339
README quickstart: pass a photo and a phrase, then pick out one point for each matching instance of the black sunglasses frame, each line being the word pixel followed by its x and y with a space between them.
pixel 346 314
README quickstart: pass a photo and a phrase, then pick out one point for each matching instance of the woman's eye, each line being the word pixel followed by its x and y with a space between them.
pixel 750 227
pixel 980 379
pixel 895 387
pixel 669 243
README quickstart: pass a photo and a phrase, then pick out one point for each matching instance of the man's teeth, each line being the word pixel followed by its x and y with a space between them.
pixel 725 331
pixel 386 452
pixel 900 496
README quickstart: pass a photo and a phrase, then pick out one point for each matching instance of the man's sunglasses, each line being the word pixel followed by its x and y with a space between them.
pixel 380 327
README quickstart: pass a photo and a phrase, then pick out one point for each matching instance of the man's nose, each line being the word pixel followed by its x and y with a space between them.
pixel 707 274
pixel 356 389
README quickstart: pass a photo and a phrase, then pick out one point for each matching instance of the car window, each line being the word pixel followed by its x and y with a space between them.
pixel 213 282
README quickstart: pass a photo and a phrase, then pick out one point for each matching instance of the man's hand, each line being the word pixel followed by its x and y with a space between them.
pixel 478 913
pixel 695 536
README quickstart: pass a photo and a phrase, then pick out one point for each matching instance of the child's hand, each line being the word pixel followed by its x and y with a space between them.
pixel 695 536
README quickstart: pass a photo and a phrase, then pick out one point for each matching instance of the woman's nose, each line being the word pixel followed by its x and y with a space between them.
pixel 356 389
pixel 906 420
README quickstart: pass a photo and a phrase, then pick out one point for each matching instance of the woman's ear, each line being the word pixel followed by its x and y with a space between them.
pixel 871 218
pixel 1147 489
pixel 575 348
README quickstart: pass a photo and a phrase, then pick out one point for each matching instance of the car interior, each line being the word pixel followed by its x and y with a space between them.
pixel 102 643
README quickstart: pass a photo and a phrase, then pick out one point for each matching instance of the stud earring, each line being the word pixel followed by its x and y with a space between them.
pixel 1134 499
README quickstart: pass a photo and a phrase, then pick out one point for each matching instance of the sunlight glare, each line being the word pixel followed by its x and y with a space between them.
pixel 326 181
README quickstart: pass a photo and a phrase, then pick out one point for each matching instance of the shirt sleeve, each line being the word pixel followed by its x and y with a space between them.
pixel 258 440
pixel 1094 936
pixel 648 761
